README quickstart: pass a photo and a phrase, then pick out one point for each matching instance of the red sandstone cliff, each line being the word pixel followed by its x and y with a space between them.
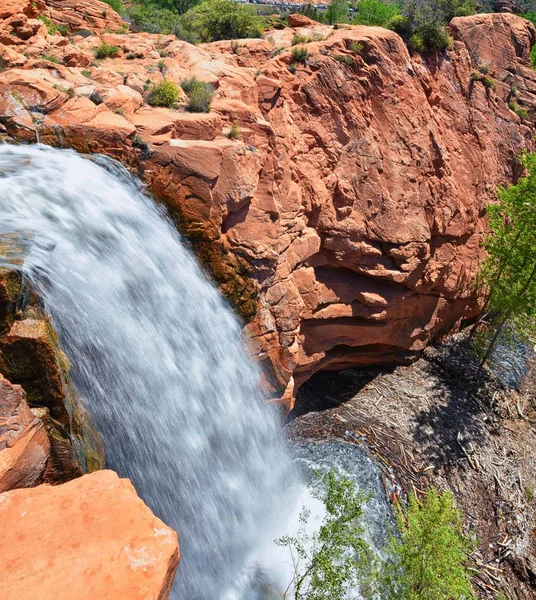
pixel 345 222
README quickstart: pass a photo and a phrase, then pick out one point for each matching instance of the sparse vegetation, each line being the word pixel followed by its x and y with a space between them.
pixel 165 93
pixel 50 58
pixel 86 73
pixel 357 47
pixel 65 90
pixel 52 29
pixel 522 113
pixel 300 55
pixel 200 95
pixel 139 142
pixel 234 131
pixel 301 39
pixel 345 59
pixel 105 50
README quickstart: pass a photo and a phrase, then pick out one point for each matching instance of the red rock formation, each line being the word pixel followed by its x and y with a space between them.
pixel 345 222
pixel 87 539
pixel 24 445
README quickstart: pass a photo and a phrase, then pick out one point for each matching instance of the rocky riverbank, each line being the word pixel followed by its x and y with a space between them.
pixel 443 422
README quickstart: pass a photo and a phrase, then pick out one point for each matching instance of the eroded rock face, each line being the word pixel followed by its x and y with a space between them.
pixel 86 539
pixel 345 221
pixel 24 445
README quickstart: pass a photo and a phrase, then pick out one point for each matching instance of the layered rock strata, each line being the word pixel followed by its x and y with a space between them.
pixel 345 221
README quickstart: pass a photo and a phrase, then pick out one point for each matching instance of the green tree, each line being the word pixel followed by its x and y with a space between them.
pixel 509 271
pixel 223 20
pixel 428 557
pixel 426 20
pixel 375 12
pixel 338 11
pixel 335 559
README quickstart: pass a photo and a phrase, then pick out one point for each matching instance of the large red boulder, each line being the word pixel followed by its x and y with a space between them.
pixel 90 538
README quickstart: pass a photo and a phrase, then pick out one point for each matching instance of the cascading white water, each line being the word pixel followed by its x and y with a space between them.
pixel 157 358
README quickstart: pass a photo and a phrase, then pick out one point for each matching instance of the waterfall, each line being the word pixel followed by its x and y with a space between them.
pixel 157 359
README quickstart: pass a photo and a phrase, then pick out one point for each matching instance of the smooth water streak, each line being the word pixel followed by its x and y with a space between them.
pixel 157 358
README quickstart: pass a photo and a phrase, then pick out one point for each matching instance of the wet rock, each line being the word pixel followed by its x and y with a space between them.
pixel 87 539
pixel 30 356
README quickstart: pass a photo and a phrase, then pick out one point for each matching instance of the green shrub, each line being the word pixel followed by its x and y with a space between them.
pixel 216 20
pixel 487 81
pixel 116 5
pixel 520 112
pixel 345 59
pixel 429 558
pixel 292 68
pixel 105 50
pixel 300 55
pixel 200 96
pixel 86 73
pixel 426 19
pixel 357 47
pixel 234 131
pixel 416 43
pixel 399 24
pixel 52 29
pixel 50 58
pixel 375 12
pixel 533 56
pixel 164 93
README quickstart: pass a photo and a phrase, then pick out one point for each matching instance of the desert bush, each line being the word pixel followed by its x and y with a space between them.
pixel 200 96
pixel 345 59
pixel 164 93
pixel 520 112
pixel 234 131
pixel 105 50
pixel 301 39
pixel 300 55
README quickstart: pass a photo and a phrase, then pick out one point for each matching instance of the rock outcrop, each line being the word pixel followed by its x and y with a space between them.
pixel 24 445
pixel 345 221
pixel 87 539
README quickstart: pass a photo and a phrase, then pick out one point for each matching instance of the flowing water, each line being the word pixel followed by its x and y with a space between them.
pixel 157 358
